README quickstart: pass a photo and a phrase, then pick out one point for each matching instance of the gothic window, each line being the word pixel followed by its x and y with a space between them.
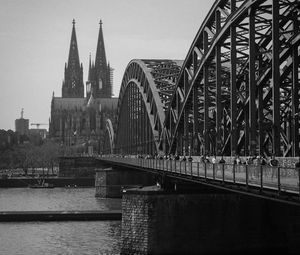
pixel 73 83
pixel 92 119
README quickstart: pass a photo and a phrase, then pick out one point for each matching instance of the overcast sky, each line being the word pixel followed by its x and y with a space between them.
pixel 35 37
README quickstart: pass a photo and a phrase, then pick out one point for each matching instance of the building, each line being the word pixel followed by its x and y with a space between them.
pixel 78 119
pixel 22 125
pixel 37 135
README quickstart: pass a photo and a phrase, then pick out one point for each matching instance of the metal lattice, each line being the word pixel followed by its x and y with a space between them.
pixel 146 91
pixel 238 90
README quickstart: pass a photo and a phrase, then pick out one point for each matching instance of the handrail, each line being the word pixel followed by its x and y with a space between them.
pixel 264 177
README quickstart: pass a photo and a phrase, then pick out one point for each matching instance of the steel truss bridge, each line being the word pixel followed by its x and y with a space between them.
pixel 236 92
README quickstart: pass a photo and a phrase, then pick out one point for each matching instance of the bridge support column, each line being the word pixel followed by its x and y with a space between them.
pixel 156 222
pixel 109 182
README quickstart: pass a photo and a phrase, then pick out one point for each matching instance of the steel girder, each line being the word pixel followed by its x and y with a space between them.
pixel 146 90
pixel 109 137
pixel 238 89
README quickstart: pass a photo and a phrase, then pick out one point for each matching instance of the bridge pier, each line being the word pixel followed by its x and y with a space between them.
pixel 109 182
pixel 158 222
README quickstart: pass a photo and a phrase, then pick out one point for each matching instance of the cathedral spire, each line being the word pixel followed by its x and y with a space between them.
pixel 73 82
pixel 99 73
pixel 90 68
pixel 73 52
pixel 100 54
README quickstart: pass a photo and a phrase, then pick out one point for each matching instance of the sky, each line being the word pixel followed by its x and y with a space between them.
pixel 35 39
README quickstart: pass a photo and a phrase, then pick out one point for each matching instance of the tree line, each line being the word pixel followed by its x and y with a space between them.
pixel 15 153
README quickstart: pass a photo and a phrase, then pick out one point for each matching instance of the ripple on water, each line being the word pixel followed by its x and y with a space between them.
pixel 26 199
pixel 88 237
pixel 78 237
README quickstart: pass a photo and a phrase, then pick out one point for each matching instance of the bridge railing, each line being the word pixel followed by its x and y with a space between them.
pixel 261 176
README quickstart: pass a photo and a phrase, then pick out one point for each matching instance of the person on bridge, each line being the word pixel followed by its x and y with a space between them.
pixel 273 161
pixel 237 160
pixel 297 167
pixel 206 159
pixel 263 160
pixel 297 164
pixel 273 164
pixel 249 161
pixel 222 160
pixel 214 160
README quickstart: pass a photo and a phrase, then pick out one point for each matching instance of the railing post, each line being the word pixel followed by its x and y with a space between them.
pixel 191 164
pixel 214 173
pixel 180 167
pixel 223 173
pixel 261 177
pixel 198 169
pixel 298 169
pixel 247 176
pixel 205 170
pixel 185 167
pixel 233 173
pixel 278 179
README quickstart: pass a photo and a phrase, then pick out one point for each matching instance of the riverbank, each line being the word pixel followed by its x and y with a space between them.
pixel 22 182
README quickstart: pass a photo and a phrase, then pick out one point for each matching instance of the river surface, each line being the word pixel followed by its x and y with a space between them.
pixel 67 237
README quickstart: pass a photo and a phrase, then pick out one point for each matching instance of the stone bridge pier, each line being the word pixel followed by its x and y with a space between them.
pixel 155 221
pixel 111 181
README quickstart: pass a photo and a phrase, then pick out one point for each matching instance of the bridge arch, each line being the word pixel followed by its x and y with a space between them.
pixel 238 89
pixel 109 137
pixel 145 94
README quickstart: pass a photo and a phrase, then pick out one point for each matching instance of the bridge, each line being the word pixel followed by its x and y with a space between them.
pixel 270 182
pixel 236 95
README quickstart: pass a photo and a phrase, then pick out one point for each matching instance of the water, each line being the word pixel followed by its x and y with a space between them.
pixel 77 237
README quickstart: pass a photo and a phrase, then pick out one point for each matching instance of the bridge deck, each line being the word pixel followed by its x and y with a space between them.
pixel 281 182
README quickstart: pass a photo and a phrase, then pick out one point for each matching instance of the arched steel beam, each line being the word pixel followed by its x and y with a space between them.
pixel 233 18
pixel 145 93
pixel 109 136
pixel 222 20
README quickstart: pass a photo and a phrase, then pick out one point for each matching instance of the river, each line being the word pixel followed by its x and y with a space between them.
pixel 68 237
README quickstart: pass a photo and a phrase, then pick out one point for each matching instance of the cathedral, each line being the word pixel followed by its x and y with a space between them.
pixel 78 118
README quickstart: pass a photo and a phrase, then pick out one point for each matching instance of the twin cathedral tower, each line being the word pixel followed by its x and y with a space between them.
pixel 77 118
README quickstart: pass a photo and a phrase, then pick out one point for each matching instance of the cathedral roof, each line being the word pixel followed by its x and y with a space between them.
pixel 60 103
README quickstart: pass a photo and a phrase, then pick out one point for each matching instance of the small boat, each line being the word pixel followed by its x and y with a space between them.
pixel 71 186
pixel 42 185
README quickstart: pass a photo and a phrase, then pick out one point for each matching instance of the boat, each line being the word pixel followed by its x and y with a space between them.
pixel 42 185
pixel 71 186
